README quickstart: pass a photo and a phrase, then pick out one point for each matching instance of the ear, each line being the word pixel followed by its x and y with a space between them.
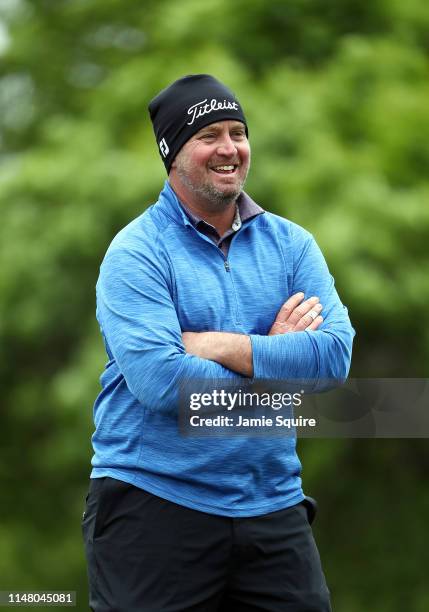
pixel 172 172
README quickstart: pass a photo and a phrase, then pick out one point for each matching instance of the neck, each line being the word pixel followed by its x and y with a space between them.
pixel 219 214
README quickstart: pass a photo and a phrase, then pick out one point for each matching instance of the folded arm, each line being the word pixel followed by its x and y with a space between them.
pixel 142 332
pixel 234 351
pixel 320 350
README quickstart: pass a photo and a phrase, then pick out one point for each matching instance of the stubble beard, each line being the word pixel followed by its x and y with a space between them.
pixel 219 199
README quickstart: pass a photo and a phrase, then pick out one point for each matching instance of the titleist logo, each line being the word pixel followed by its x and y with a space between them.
pixel 204 108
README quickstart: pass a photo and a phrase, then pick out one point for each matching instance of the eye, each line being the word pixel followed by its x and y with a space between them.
pixel 208 136
pixel 238 135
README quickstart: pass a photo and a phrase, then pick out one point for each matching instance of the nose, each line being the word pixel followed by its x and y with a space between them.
pixel 226 146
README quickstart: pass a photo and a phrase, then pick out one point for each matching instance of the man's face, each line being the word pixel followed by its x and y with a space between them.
pixel 214 163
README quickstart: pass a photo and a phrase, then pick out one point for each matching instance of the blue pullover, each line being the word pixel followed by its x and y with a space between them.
pixel 160 277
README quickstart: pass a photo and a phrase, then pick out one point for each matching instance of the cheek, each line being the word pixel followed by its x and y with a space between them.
pixel 199 153
pixel 245 156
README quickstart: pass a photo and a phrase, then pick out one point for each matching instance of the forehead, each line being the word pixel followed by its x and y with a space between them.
pixel 220 126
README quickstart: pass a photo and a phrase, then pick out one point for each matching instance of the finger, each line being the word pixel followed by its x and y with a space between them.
pixel 279 328
pixel 317 321
pixel 308 318
pixel 288 307
pixel 302 310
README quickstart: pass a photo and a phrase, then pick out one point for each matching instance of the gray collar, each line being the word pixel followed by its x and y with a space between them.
pixel 246 209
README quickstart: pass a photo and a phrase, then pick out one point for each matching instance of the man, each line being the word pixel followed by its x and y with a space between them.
pixel 205 285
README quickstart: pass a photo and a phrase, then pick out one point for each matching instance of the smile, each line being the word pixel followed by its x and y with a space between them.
pixel 230 169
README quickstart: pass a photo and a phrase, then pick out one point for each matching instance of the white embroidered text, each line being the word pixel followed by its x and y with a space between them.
pixel 204 108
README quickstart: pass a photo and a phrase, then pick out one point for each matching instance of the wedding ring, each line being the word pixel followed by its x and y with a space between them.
pixel 312 313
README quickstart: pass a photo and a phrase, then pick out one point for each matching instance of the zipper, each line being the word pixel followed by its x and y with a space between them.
pixel 225 262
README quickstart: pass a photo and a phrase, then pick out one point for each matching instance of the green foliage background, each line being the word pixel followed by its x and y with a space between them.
pixel 337 99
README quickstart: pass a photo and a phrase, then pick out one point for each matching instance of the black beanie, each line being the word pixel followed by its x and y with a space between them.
pixel 186 106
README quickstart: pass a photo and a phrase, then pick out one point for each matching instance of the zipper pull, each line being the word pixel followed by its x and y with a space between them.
pixel 227 268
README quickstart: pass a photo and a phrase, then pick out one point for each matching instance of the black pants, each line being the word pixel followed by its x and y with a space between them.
pixel 146 554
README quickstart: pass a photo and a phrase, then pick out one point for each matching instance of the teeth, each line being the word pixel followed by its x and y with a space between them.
pixel 224 168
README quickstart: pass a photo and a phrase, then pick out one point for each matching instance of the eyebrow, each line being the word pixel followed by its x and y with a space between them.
pixel 217 128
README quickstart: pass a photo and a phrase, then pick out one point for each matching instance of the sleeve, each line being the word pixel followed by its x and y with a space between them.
pixel 140 325
pixel 323 355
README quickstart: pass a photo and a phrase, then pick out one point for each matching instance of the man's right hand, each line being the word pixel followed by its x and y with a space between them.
pixel 296 315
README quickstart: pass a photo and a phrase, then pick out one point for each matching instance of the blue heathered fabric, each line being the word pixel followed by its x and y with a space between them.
pixel 160 277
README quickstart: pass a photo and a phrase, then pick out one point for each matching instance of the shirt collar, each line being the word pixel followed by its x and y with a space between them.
pixel 246 209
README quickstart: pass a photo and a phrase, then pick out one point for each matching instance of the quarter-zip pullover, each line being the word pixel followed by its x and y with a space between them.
pixel 161 277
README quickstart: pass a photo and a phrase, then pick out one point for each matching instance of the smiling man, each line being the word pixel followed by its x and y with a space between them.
pixel 205 285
